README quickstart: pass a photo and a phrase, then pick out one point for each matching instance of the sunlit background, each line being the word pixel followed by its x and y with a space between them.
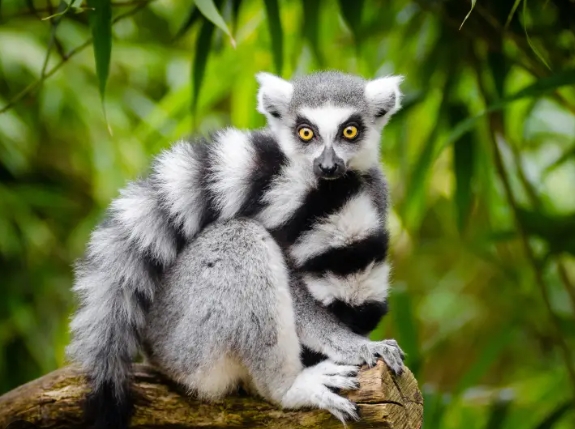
pixel 481 163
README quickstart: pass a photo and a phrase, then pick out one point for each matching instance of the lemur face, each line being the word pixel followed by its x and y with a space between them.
pixel 331 120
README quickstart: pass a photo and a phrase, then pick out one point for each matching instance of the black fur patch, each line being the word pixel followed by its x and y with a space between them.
pixel 269 159
pixel 104 410
pixel 210 213
pixel 377 186
pixel 327 198
pixel 310 358
pixel 361 319
pixel 354 119
pixel 349 259
pixel 380 113
pixel 143 300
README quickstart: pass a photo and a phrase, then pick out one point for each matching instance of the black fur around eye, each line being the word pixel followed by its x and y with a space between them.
pixel 352 129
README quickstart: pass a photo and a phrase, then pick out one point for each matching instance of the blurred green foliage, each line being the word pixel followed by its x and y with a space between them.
pixel 481 162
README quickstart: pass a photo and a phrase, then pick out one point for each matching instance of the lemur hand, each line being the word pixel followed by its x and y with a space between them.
pixel 369 351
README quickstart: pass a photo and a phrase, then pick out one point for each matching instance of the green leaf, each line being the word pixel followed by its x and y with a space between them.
pixel 512 13
pixel 202 51
pixel 416 189
pixel 311 18
pixel 435 405
pixel 499 66
pixel 468 13
pixel 406 325
pixel 210 11
pixel 235 14
pixel 193 15
pixel 531 45
pixel 555 416
pixel 499 410
pixel 276 33
pixel 351 13
pixel 463 167
pixel 101 25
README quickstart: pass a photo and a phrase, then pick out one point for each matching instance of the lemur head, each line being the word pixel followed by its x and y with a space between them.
pixel 333 120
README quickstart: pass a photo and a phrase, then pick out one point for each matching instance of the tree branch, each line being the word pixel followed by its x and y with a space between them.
pixel 55 401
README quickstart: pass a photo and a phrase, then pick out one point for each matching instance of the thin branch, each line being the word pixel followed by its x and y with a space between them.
pixel 48 9
pixel 32 87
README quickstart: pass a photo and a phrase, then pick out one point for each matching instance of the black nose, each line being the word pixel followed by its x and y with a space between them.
pixel 328 169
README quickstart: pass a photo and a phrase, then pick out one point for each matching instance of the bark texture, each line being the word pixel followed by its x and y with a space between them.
pixel 55 401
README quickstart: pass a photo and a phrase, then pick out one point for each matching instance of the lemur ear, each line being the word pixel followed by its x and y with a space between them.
pixel 384 97
pixel 274 95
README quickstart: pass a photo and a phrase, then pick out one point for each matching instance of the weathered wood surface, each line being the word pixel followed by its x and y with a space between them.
pixel 54 401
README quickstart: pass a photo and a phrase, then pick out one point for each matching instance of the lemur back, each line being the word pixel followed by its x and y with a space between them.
pixel 311 178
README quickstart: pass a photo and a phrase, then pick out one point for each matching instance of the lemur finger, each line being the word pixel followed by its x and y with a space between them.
pixel 330 368
pixel 393 360
pixel 393 343
pixel 340 382
pixel 342 408
pixel 368 355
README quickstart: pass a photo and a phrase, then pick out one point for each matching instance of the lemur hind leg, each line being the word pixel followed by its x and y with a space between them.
pixel 224 316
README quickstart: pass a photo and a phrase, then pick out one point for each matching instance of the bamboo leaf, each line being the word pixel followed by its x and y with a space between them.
pixel 351 13
pixel 235 14
pixel 276 33
pixel 100 18
pixel 210 11
pixel 193 15
pixel 468 13
pixel 311 18
pixel 555 416
pixel 499 410
pixel 202 51
pixel 512 13
pixel 531 45
pixel 463 167
pixel 416 189
pixel 406 325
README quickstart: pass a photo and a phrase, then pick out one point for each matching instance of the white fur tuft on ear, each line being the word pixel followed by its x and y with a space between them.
pixel 274 94
pixel 384 96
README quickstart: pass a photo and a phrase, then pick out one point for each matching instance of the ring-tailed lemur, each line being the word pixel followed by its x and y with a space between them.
pixel 312 179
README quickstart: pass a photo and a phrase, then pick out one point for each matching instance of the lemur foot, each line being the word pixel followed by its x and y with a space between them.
pixel 313 388
pixel 370 351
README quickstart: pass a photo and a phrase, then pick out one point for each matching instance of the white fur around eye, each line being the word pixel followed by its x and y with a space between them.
pixel 327 119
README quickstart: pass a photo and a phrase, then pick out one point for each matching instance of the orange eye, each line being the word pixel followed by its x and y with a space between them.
pixel 305 133
pixel 350 132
